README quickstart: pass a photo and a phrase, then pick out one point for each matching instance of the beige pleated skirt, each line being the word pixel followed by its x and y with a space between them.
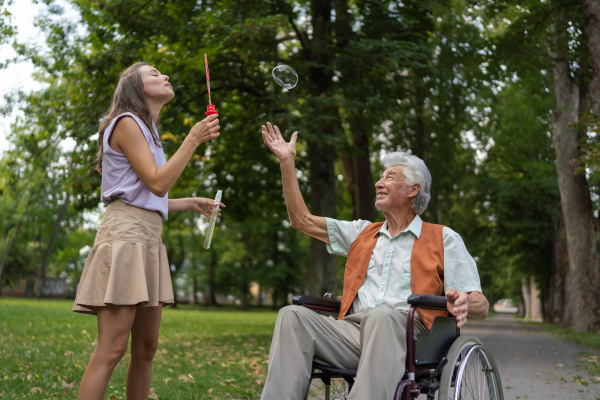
pixel 128 264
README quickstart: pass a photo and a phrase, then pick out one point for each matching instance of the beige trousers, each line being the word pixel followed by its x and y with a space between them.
pixel 373 342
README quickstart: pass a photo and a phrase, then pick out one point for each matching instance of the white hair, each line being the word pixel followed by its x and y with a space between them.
pixel 415 171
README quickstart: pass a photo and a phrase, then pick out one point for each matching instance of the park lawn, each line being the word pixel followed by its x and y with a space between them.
pixel 45 347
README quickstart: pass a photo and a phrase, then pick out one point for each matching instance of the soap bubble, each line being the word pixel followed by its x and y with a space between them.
pixel 285 76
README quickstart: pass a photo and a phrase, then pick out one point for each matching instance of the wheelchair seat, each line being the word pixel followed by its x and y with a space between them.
pixel 441 351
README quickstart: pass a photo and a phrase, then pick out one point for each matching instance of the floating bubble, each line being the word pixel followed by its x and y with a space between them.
pixel 285 76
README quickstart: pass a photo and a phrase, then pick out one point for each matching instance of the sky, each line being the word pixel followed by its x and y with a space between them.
pixel 20 76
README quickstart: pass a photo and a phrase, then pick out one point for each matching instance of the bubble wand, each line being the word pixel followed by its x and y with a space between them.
pixel 213 218
pixel 210 108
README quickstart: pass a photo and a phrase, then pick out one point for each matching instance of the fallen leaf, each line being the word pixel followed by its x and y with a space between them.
pixel 152 394
pixel 188 378
pixel 36 390
pixel 68 386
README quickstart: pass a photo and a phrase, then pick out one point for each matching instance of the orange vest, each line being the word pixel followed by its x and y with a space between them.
pixel 426 267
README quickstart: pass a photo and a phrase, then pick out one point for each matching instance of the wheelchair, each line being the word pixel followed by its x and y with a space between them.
pixel 438 363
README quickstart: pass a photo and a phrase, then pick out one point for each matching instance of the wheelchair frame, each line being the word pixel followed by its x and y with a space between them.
pixel 441 351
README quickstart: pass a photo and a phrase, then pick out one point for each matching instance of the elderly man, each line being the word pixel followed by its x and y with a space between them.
pixel 386 262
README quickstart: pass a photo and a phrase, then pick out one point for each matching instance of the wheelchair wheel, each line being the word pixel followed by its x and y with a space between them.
pixel 338 390
pixel 471 372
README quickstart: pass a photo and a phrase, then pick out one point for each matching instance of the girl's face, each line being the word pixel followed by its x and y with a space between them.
pixel 156 86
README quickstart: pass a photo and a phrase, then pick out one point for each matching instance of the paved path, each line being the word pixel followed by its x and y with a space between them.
pixel 533 363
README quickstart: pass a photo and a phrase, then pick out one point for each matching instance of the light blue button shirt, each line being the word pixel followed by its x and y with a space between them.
pixel 387 282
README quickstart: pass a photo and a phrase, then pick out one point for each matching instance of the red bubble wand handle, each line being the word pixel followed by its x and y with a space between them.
pixel 210 108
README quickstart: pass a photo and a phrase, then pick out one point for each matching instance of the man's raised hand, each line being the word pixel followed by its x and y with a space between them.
pixel 275 142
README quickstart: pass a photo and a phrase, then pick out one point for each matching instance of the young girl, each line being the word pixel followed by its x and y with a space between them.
pixel 126 280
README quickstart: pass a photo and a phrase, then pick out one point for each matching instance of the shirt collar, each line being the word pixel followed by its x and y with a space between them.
pixel 414 227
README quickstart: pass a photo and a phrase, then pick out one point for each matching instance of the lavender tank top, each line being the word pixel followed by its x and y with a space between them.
pixel 119 180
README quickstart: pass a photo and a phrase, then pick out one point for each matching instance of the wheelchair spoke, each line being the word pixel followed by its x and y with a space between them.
pixel 477 381
pixel 338 390
pixel 471 373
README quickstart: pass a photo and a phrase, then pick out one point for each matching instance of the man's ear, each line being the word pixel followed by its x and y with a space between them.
pixel 414 190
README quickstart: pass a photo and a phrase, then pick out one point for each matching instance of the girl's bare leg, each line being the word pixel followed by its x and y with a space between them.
pixel 144 341
pixel 114 325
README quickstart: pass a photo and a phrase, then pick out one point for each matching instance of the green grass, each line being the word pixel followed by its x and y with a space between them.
pixel 44 349
pixel 588 339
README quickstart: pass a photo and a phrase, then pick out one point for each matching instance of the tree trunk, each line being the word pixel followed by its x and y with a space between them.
pixel 535 300
pixel 323 266
pixel 275 299
pixel 356 161
pixel 526 291
pixel 592 32
pixel 192 289
pixel 211 298
pixel 6 251
pixel 44 266
pixel 244 293
pixel 423 143
pixel 556 312
pixel 176 262
pixel 575 197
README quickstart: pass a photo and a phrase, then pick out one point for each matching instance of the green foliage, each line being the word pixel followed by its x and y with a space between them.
pixel 463 85
pixel 519 179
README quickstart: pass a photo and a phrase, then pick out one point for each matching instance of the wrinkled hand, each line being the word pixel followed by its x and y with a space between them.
pixel 205 206
pixel 205 130
pixel 458 305
pixel 275 142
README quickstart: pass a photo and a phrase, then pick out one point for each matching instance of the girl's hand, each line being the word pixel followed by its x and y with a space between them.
pixel 205 130
pixel 204 206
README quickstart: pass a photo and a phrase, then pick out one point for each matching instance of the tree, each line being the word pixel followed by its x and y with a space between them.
pixel 554 35
pixel 580 223
pixel 243 44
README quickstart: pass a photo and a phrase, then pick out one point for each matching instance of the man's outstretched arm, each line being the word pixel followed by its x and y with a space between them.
pixel 300 218
pixel 462 304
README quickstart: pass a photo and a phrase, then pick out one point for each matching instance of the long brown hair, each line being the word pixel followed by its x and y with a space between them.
pixel 129 97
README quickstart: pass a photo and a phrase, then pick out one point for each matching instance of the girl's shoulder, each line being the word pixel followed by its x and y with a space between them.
pixel 126 121
pixel 131 123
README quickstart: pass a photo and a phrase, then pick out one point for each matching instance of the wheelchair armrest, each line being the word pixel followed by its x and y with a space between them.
pixel 317 303
pixel 428 301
